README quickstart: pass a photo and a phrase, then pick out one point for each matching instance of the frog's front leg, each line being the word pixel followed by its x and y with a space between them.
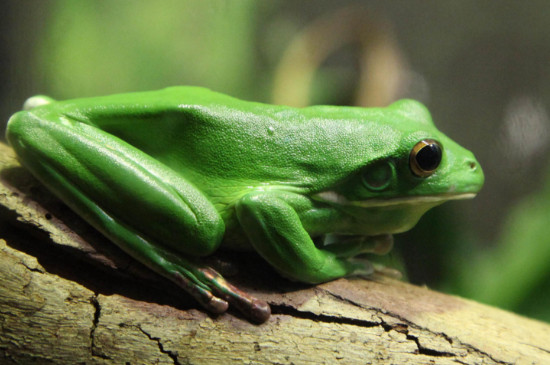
pixel 273 225
pixel 143 206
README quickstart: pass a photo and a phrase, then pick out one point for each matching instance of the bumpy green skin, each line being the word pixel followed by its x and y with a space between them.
pixel 167 175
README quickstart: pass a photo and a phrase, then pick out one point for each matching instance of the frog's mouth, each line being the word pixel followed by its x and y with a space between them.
pixel 335 198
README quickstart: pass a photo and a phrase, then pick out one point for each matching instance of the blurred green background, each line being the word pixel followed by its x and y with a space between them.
pixel 482 68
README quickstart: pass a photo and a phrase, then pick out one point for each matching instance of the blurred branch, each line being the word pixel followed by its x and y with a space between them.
pixel 381 63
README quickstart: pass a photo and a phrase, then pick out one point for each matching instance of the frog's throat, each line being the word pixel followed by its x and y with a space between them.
pixel 335 198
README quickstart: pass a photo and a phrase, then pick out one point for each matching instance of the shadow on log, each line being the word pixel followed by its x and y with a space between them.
pixel 70 296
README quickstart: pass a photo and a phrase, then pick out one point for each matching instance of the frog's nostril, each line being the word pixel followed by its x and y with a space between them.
pixel 472 164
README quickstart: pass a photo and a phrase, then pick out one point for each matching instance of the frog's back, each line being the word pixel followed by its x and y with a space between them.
pixel 239 143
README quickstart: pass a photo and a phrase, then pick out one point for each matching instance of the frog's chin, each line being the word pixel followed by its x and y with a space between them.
pixel 335 198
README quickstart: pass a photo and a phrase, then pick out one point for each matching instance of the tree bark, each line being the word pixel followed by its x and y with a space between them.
pixel 69 296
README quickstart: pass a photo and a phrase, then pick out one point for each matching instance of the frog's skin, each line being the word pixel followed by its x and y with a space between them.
pixel 172 175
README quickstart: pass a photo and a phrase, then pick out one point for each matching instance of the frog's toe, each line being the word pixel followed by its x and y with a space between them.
pixel 388 271
pixel 362 267
pixel 260 311
pixel 216 305
pixel 208 300
pixel 383 244
pixel 254 309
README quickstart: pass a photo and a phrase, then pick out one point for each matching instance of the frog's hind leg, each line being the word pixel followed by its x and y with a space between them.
pixel 95 173
pixel 138 203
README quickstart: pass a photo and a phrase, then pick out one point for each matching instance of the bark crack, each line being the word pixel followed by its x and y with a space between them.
pixel 387 327
pixel 32 269
pixel 96 352
pixel 428 351
pixel 173 354
pixel 421 349
pixel 536 347
pixel 292 311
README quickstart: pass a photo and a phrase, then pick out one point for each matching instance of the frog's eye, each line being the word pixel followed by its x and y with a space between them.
pixel 425 157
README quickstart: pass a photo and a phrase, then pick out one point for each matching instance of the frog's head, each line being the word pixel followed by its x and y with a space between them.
pixel 421 168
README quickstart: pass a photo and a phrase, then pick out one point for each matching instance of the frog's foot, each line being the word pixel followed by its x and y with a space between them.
pixel 349 246
pixel 365 268
pixel 387 271
pixel 204 296
pixel 254 309
pixel 369 268
pixel 354 247
pixel 216 294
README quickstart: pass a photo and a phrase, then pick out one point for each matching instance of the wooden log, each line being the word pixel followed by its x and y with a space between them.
pixel 69 296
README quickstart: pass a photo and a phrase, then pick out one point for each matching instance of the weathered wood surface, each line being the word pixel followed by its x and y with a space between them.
pixel 69 296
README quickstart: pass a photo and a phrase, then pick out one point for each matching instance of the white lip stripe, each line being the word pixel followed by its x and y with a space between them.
pixel 333 197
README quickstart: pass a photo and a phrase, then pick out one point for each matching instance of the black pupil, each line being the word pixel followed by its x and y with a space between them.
pixel 429 157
